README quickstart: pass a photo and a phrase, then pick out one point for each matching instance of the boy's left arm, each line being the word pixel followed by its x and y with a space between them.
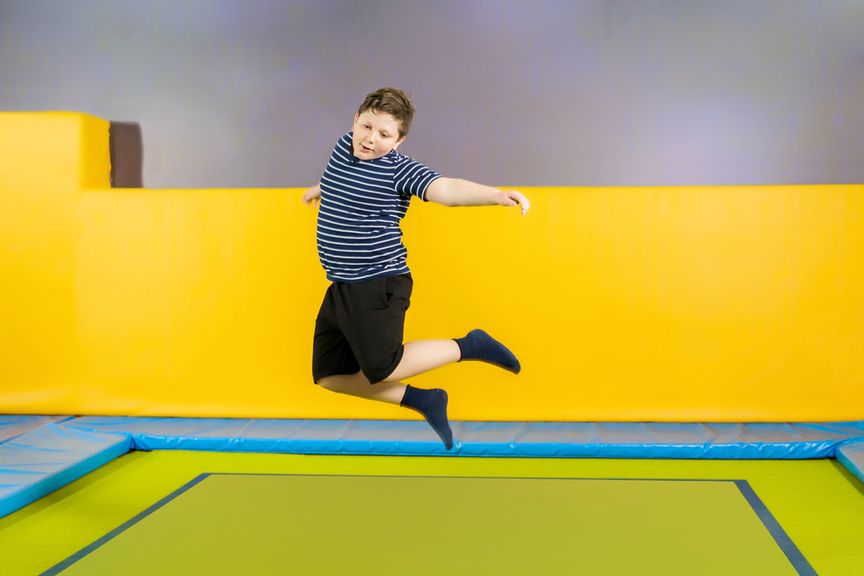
pixel 458 192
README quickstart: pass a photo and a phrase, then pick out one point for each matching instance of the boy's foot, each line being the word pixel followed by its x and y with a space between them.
pixel 478 345
pixel 432 404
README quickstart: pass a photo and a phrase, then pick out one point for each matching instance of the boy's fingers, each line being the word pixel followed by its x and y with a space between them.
pixel 523 202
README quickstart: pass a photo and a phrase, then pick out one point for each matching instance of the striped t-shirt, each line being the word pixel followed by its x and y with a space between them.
pixel 362 204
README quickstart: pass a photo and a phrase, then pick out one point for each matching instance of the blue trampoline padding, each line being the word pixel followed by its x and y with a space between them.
pixel 15 425
pixel 47 458
pixel 57 450
pixel 500 439
pixel 851 455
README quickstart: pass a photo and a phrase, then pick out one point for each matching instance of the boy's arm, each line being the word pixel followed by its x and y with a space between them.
pixel 458 192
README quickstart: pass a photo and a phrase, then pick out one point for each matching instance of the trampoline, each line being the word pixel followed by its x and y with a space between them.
pixel 182 512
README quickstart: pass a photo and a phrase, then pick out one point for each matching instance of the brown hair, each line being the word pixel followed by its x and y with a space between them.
pixel 394 102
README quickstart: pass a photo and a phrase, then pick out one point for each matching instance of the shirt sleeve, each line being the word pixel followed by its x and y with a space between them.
pixel 413 178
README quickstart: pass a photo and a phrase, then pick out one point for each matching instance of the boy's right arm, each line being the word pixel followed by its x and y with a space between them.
pixel 459 192
pixel 312 195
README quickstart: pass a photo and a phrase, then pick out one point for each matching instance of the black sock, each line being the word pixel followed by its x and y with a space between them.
pixel 478 345
pixel 432 404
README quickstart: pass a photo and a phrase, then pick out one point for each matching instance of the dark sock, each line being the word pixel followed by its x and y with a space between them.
pixel 478 345
pixel 432 404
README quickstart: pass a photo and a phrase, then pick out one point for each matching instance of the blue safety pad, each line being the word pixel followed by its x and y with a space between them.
pixel 43 454
pixel 15 425
pixel 42 460
pixel 500 439
pixel 851 455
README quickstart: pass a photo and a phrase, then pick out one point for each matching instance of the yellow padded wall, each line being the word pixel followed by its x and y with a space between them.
pixel 46 158
pixel 677 304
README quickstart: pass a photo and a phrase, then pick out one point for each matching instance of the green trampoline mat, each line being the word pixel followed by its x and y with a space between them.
pixel 324 524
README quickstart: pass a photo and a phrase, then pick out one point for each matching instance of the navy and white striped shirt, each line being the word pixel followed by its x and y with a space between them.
pixel 362 204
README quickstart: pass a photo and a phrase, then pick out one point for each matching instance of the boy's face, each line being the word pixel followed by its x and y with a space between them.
pixel 376 133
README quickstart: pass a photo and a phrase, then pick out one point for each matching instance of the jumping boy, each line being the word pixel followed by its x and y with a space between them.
pixel 364 194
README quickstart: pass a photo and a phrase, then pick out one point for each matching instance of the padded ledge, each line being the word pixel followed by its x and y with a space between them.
pixel 500 439
pixel 47 453
pixel 851 455
pixel 15 425
pixel 40 461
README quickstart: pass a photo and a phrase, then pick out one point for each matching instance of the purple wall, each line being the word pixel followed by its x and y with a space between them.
pixel 542 92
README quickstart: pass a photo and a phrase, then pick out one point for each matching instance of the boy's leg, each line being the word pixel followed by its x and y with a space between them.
pixel 358 385
pixel 424 355
pixel 432 404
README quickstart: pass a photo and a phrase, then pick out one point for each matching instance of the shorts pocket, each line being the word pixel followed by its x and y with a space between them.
pixel 398 289
pixel 378 298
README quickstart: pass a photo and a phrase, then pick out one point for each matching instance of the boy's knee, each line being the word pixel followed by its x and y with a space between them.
pixel 332 383
pixel 325 382
pixel 337 382
pixel 381 368
pixel 377 374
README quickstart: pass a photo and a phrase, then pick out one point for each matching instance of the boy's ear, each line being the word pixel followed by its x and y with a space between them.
pixel 398 142
pixel 356 116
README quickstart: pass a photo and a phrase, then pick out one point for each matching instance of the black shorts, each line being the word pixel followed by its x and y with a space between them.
pixel 360 327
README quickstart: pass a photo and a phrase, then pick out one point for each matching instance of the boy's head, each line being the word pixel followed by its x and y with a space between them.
pixel 382 123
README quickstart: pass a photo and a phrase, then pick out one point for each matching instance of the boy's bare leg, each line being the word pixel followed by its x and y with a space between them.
pixel 424 355
pixel 358 385
pixel 417 357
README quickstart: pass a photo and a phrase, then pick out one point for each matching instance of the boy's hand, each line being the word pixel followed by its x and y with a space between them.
pixel 312 195
pixel 514 198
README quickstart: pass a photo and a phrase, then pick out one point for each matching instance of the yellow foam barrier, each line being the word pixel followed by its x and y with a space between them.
pixel 623 304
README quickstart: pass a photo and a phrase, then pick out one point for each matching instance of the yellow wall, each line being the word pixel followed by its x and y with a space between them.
pixel 678 304
pixel 45 160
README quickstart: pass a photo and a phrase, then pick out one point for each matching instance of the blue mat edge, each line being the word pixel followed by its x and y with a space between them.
pixel 851 455
pixel 845 441
pixel 492 439
pixel 32 479
pixel 13 425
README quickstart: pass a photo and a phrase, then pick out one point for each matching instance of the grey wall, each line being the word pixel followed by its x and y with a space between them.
pixel 539 92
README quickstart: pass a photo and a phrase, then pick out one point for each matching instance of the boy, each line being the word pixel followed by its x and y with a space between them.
pixel 364 194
